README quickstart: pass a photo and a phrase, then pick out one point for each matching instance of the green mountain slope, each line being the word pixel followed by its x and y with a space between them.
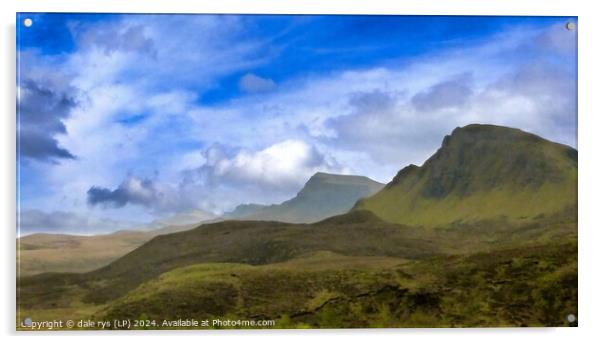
pixel 257 242
pixel 482 173
pixel 525 286
pixel 324 195
pixel 533 286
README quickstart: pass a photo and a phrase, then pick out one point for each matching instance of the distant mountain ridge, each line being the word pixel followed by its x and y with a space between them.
pixel 49 252
pixel 324 195
pixel 243 210
pixel 481 172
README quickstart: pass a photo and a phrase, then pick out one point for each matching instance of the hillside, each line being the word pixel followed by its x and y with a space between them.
pixel 528 286
pixel 358 233
pixel 43 252
pixel 482 173
pixel 534 286
pixel 324 195
pixel 257 243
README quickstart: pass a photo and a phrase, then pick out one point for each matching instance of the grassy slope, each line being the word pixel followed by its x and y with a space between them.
pixel 534 286
pixel 481 173
pixel 255 242
pixel 164 278
pixel 39 253
pixel 529 286
pixel 266 290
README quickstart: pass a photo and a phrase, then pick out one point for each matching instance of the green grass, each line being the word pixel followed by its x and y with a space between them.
pixel 523 204
pixel 533 283
pixel 255 243
pixel 529 286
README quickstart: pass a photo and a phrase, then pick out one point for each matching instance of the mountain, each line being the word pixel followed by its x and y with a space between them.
pixel 191 217
pixel 482 173
pixel 324 195
pixel 243 210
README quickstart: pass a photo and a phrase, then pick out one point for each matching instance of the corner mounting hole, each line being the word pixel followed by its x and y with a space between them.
pixel 570 26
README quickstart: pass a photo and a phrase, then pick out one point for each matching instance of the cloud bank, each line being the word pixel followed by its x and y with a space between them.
pixel 36 221
pixel 143 120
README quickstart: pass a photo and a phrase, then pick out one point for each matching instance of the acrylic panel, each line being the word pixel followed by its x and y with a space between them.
pixel 295 171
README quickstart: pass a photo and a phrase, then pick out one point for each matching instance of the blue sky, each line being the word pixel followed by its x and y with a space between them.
pixel 144 120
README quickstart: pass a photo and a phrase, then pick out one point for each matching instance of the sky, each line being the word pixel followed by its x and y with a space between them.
pixel 141 121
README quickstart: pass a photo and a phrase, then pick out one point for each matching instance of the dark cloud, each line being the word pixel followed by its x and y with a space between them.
pixel 453 93
pixel 37 221
pixel 372 102
pixel 158 197
pixel 42 107
pixel 133 190
pixel 37 144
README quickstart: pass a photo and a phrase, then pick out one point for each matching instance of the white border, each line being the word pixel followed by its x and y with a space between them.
pixel 458 7
pixel 590 131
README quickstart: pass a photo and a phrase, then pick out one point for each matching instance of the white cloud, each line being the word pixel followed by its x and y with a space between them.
pixel 231 176
pixel 286 163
